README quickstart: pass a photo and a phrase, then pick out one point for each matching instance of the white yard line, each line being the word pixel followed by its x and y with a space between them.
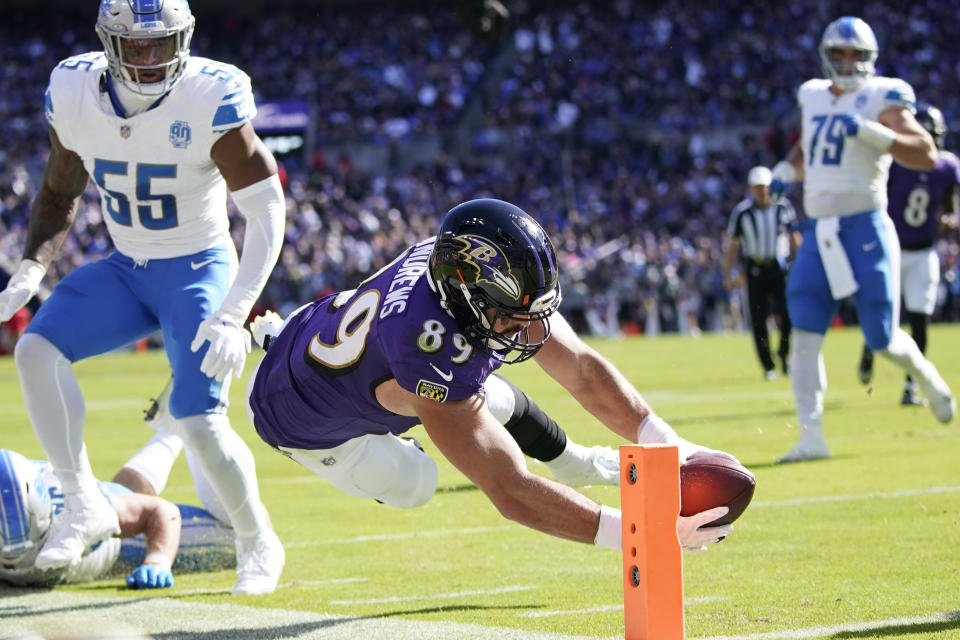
pixel 608 607
pixel 430 533
pixel 435 596
pixel 759 504
pixel 883 495
pixel 61 613
pixel 850 627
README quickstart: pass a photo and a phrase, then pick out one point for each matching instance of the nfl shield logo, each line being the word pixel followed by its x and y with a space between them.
pixel 125 131
pixel 180 134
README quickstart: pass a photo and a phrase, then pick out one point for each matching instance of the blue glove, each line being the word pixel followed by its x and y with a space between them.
pixel 777 187
pixel 150 576
pixel 851 123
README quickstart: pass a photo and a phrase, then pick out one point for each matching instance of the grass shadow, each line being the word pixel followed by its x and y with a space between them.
pixel 923 629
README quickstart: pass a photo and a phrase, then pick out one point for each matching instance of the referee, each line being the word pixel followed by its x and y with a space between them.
pixel 760 231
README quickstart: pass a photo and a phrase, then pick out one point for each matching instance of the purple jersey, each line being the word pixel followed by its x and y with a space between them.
pixel 314 388
pixel 916 199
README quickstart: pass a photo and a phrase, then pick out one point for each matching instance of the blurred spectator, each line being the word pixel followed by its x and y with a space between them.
pixel 621 126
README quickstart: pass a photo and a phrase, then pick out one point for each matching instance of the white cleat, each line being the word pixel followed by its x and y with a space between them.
pixel 942 402
pixel 260 561
pixel 594 465
pixel 809 448
pixel 86 520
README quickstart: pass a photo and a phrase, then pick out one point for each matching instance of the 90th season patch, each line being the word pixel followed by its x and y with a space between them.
pixel 432 390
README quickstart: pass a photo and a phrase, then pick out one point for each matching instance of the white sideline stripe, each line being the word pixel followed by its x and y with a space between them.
pixel 819 632
pixel 61 613
pixel 282 585
pixel 435 596
pixel 608 607
pixel 903 493
pixel 397 536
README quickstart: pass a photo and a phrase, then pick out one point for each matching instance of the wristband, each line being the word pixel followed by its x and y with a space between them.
pixel 609 531
pixel 30 272
pixel 784 172
pixel 654 430
pixel 159 559
pixel 876 134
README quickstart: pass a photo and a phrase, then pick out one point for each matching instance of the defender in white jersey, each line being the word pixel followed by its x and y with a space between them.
pixel 158 538
pixel 164 136
pixel 854 124
pixel 31 500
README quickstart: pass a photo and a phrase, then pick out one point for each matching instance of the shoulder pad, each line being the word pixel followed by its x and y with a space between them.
pixel 225 89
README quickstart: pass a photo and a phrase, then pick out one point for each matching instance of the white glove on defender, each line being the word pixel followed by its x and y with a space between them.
pixel 267 325
pixel 695 537
pixel 229 346
pixel 23 285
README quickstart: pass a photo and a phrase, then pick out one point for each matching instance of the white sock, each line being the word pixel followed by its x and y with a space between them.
pixel 572 453
pixel 227 463
pixel 155 459
pixel 57 411
pixel 904 353
pixel 205 491
pixel 808 376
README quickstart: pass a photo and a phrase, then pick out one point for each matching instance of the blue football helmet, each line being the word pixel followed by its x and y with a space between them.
pixel 146 42
pixel 25 512
pixel 492 262
pixel 848 33
pixel 931 119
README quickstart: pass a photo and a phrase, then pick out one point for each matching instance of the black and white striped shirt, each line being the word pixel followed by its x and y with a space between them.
pixel 761 229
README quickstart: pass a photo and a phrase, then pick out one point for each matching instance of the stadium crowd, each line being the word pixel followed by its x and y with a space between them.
pixel 626 128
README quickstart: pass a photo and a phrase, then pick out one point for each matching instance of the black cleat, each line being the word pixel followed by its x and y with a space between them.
pixel 911 399
pixel 865 370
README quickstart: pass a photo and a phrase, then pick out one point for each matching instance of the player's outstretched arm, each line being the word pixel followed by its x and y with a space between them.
pixel 51 216
pixel 251 174
pixel 912 146
pixel 159 522
pixel 476 444
pixel 605 392
pixel 591 379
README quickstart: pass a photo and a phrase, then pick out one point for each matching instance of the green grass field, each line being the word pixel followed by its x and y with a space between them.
pixel 866 545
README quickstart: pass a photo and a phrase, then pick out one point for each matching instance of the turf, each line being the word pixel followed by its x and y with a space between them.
pixel 871 536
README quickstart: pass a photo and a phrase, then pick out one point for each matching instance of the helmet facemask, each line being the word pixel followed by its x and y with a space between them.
pixel 25 512
pixel 146 49
pixel 491 328
pixel 848 34
pixel 496 273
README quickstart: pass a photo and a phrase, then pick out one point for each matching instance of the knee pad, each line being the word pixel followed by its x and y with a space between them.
pixel 33 352
pixel 395 472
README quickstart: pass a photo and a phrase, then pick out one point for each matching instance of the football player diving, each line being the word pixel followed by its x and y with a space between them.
pixel 418 342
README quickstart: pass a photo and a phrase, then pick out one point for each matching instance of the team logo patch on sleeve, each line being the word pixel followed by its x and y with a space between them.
pixel 180 134
pixel 432 390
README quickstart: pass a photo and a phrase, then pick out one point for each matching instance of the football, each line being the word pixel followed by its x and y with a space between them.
pixel 709 481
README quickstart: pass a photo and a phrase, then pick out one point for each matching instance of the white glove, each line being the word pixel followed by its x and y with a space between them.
pixel 267 325
pixel 22 286
pixel 229 346
pixel 695 537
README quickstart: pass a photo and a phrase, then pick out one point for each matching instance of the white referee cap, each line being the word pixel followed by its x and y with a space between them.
pixel 759 175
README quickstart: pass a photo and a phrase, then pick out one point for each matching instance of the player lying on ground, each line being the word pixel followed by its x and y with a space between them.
pixel 158 538
pixel 416 343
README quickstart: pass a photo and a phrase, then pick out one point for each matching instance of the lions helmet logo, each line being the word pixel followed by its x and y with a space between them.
pixel 491 264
